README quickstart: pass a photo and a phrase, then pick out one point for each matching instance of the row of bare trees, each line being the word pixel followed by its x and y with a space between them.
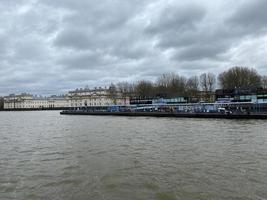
pixel 167 86
pixel 240 77
pixel 173 85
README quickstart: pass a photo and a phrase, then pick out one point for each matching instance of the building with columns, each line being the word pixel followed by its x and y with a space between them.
pixel 28 101
pixel 83 97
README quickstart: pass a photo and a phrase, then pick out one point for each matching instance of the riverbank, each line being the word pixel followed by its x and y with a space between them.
pixel 33 109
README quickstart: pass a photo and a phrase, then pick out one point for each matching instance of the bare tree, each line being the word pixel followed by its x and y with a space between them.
pixel 112 92
pixel 264 82
pixel 192 83
pixel 1 103
pixel 203 79
pixel 171 85
pixel 211 81
pixel 144 89
pixel 192 86
pixel 239 77
pixel 207 83
pixel 126 89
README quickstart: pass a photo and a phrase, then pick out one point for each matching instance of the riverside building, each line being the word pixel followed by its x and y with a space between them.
pixel 29 101
pixel 85 97
pixel 244 95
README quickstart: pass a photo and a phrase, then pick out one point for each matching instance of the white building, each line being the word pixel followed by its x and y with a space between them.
pixel 77 98
pixel 95 97
pixel 28 101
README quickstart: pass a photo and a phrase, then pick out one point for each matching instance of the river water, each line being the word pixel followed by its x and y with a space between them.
pixel 44 155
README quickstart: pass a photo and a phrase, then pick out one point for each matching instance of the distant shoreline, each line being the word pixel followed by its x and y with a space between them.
pixel 33 109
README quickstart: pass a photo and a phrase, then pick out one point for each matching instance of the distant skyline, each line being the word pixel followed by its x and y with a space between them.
pixel 52 46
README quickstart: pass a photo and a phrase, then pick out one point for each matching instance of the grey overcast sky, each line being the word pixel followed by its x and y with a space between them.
pixel 51 46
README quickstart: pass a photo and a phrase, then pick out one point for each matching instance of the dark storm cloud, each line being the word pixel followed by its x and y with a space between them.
pixel 176 19
pixel 251 14
pixel 76 39
pixel 191 33
pixel 86 60
pixel 3 46
pixel 197 52
pixel 182 29
pixel 48 46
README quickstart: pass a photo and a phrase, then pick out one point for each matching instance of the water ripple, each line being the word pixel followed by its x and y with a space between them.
pixel 47 156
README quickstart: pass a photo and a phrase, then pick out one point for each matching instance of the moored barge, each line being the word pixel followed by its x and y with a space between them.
pixel 168 114
pixel 223 111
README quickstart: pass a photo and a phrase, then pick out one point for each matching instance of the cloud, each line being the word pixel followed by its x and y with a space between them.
pixel 184 31
pixel 50 46
pixel 86 60
pixel 76 39
pixel 251 15
pixel 175 19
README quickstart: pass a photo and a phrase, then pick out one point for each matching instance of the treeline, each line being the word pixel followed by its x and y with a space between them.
pixel 168 86
pixel 173 85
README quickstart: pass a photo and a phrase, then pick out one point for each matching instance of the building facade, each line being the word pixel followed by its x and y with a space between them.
pixel 85 97
pixel 28 101
pixel 253 95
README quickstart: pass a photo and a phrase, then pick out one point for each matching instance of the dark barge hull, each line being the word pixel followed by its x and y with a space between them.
pixel 169 114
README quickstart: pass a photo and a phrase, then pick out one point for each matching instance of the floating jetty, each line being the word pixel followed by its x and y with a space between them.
pixel 197 110
pixel 167 114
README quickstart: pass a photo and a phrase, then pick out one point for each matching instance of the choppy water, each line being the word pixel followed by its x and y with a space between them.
pixel 47 156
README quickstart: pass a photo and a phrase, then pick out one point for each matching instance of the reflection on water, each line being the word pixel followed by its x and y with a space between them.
pixel 47 156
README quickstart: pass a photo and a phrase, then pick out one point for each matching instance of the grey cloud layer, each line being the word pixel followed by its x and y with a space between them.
pixel 49 46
